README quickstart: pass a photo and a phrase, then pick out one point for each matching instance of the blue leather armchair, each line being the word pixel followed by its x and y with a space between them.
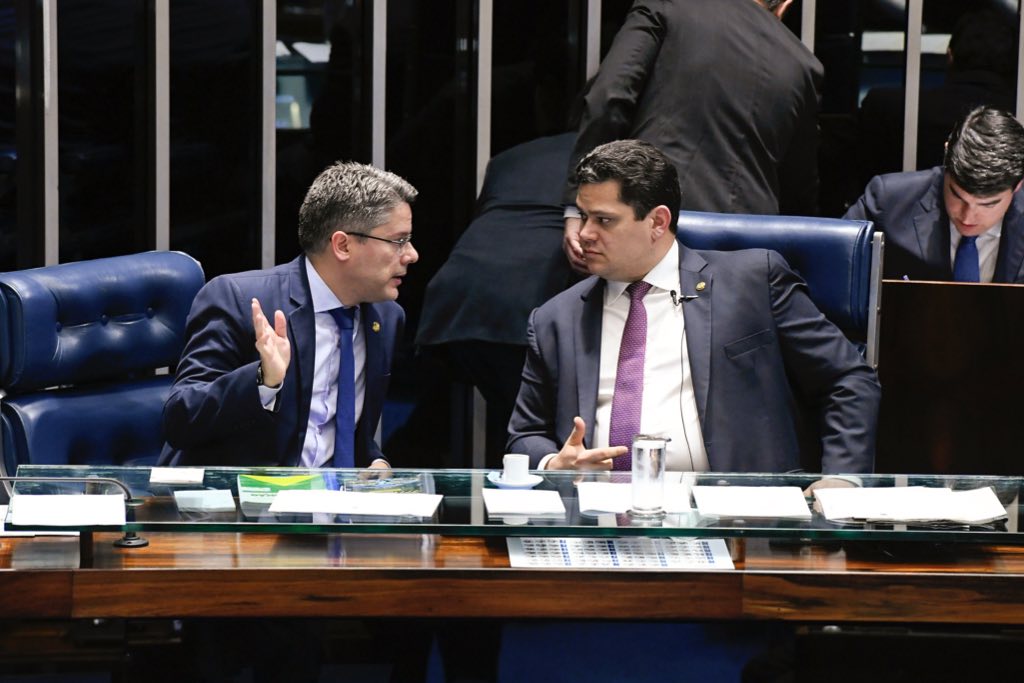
pixel 841 261
pixel 83 348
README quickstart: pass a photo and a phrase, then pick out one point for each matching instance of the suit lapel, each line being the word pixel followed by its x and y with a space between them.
pixel 932 229
pixel 375 362
pixel 302 334
pixel 1010 259
pixel 695 281
pixel 588 360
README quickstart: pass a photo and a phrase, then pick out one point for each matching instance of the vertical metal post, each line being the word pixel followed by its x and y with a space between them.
pixel 913 83
pixel 268 131
pixel 379 82
pixel 593 59
pixel 158 125
pixel 37 133
pixel 1020 64
pixel 807 22
pixel 484 51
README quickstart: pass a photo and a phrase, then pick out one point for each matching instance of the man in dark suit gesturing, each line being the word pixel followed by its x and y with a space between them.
pixel 962 221
pixel 308 388
pixel 715 350
pixel 725 90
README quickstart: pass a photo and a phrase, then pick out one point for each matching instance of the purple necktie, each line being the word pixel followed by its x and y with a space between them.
pixel 627 401
pixel 345 417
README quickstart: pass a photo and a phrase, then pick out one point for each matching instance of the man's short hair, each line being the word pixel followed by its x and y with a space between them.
pixel 646 177
pixel 771 4
pixel 350 197
pixel 985 152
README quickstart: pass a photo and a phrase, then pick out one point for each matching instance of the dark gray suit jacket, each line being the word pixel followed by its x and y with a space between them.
pixel 213 415
pixel 726 91
pixel 909 209
pixel 778 387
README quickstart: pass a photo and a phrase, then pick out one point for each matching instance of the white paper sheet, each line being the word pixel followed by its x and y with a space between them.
pixel 356 503
pixel 67 510
pixel 207 500
pixel 176 475
pixel 781 502
pixel 501 502
pixel 910 504
pixel 606 496
pixel 619 553
pixel 14 534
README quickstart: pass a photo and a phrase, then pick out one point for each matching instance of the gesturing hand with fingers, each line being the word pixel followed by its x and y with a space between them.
pixel 575 456
pixel 272 344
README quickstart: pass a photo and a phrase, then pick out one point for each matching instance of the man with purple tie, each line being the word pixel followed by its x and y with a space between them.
pixel 722 352
pixel 962 221
pixel 304 383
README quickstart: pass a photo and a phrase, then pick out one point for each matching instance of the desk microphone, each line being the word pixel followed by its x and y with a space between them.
pixel 678 300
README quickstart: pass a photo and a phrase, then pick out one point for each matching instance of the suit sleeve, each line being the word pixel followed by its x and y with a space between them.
pixel 609 105
pixel 532 425
pixel 869 207
pixel 827 372
pixel 215 393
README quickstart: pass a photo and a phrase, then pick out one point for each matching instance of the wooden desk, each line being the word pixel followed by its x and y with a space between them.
pixel 951 369
pixel 223 574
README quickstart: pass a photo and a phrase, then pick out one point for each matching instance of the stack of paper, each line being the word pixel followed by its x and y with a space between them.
pixel 778 502
pixel 528 504
pixel 910 504
pixel 606 496
pixel 356 503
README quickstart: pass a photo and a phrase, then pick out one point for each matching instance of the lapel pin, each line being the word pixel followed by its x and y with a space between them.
pixel 700 286
pixel 375 326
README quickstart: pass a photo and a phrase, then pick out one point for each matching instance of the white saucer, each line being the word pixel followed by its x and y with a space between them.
pixel 528 483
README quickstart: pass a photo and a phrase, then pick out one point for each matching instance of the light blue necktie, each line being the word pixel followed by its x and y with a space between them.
pixel 965 265
pixel 345 419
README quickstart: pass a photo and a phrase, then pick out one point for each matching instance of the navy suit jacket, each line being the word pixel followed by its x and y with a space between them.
pixel 726 91
pixel 908 208
pixel 762 358
pixel 213 415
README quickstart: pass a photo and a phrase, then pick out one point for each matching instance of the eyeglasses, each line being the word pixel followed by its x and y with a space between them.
pixel 399 243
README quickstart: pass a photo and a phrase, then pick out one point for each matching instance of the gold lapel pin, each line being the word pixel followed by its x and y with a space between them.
pixel 700 286
pixel 375 326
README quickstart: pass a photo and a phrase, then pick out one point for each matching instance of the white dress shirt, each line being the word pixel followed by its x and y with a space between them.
pixel 669 403
pixel 988 249
pixel 318 446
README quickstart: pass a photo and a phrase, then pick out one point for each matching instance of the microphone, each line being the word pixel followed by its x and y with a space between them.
pixel 678 300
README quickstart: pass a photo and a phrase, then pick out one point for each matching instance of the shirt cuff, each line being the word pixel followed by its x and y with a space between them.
pixel 571 211
pixel 543 464
pixel 268 396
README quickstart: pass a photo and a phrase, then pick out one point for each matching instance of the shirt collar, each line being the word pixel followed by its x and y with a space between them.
pixel 664 275
pixel 323 298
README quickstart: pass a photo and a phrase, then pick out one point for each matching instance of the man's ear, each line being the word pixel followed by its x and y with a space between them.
pixel 340 243
pixel 660 217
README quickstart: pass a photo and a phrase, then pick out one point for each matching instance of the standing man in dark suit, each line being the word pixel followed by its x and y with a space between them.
pixel 963 220
pixel 250 391
pixel 735 346
pixel 725 90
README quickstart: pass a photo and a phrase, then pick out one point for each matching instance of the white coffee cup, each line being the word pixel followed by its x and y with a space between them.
pixel 517 466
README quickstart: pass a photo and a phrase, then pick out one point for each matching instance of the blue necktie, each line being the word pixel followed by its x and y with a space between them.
pixel 965 265
pixel 345 419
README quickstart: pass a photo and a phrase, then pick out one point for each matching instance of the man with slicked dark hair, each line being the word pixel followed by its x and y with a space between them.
pixel 962 221
pixel 722 353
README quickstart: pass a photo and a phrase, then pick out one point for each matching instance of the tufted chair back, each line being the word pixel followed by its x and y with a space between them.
pixel 841 261
pixel 87 356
